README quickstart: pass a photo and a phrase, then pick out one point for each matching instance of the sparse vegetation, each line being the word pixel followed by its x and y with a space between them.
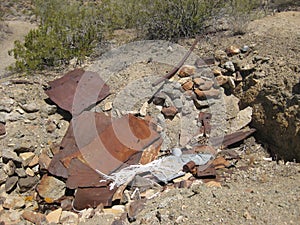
pixel 65 32
pixel 71 29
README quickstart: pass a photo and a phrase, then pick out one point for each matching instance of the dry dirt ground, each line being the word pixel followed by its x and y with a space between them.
pixel 16 30
pixel 267 192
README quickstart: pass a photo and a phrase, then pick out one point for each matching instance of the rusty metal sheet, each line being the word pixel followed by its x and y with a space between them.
pixel 122 142
pixel 81 175
pixel 92 197
pixel 209 172
pixel 69 149
pixel 77 90
pixel 106 145
pixel 95 145
pixel 230 139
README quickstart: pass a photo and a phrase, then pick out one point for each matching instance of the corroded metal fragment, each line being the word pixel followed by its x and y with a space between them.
pixel 77 90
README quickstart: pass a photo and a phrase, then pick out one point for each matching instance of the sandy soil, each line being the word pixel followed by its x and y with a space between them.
pixel 16 31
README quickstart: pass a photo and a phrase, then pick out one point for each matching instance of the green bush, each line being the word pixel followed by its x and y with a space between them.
pixel 156 19
pixel 71 29
pixel 66 30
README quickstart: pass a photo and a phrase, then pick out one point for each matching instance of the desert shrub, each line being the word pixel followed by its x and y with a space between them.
pixel 173 19
pixel 241 12
pixel 156 19
pixel 71 29
pixel 66 30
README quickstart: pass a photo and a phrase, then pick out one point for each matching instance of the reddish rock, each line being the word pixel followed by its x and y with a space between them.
pixel 51 188
pixel 206 86
pixel 34 217
pixel 221 80
pixel 212 93
pixel 186 71
pixel 232 50
pixel 198 81
pixel 169 111
pixel 188 85
pixel 44 161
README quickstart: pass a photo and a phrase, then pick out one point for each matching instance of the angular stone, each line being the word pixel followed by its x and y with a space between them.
pixel 24 147
pixel 10 183
pixel 6 104
pixel 50 127
pixel 9 168
pixel 232 106
pixel 15 216
pixel 107 106
pixel 86 214
pixel 232 50
pixel 159 98
pixel 29 172
pixel 217 72
pixel 221 80
pixel 220 55
pixel 34 217
pixel 178 103
pixel 229 66
pixel 242 119
pixel 66 204
pixel 51 188
pixel 2 129
pixel 14 202
pixel 34 161
pixel 14 116
pixel 30 108
pixel 206 86
pixel 8 154
pixel 143 110
pixel 49 109
pixel 3 117
pixel 26 157
pixel 3 176
pixel 20 172
pixel 188 85
pixel 198 81
pixel 69 218
pixel 44 161
pixel 30 117
pixel 212 93
pixel 186 71
pixel 53 217
pixel 169 111
pixel 27 183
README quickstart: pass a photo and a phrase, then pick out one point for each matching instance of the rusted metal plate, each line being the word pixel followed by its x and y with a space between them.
pixel 121 142
pixel 82 128
pixel 81 175
pixel 92 197
pixel 209 172
pixel 77 90
pixel 230 139
pixel 106 145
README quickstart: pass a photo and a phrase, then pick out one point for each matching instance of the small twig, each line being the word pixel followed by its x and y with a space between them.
pixel 177 67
